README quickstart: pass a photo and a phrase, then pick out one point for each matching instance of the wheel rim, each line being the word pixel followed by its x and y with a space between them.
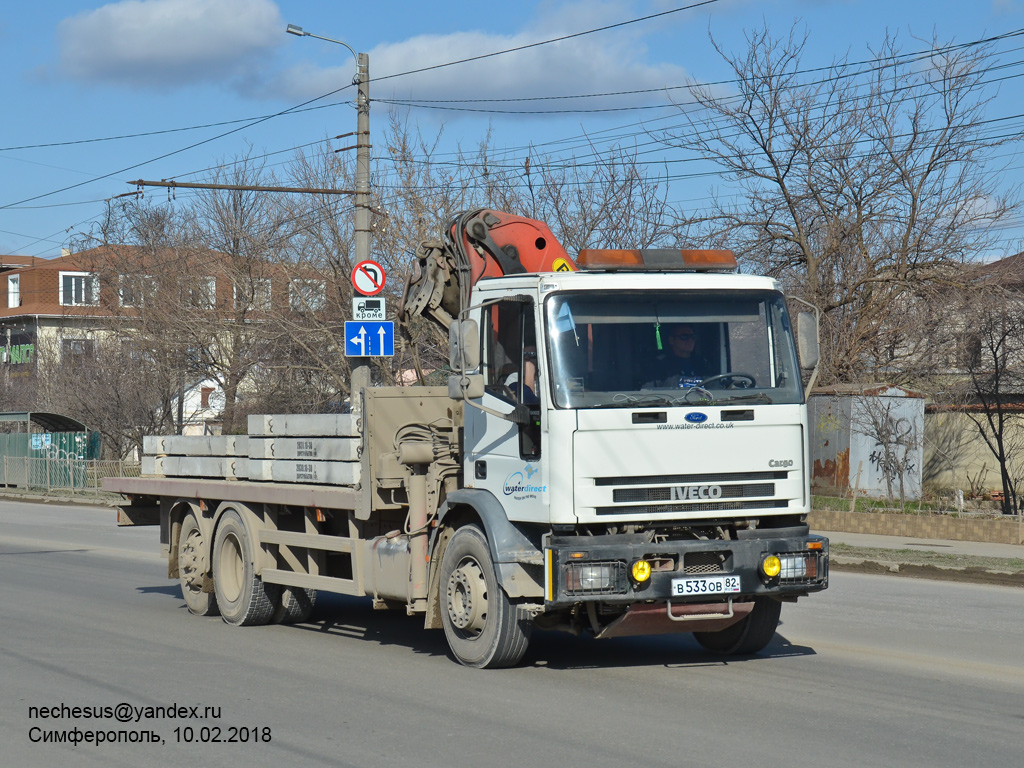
pixel 231 568
pixel 190 562
pixel 467 599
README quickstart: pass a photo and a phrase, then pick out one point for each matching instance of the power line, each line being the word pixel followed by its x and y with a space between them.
pixel 172 153
pixel 318 98
pixel 145 134
pixel 549 41
pixel 294 109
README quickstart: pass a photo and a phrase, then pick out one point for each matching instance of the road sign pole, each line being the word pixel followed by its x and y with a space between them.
pixel 360 378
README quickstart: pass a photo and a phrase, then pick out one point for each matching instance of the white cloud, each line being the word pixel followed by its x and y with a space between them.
pixel 602 62
pixel 168 43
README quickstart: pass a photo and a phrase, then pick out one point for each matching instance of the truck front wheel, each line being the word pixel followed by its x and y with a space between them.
pixel 193 564
pixel 748 636
pixel 483 627
pixel 242 597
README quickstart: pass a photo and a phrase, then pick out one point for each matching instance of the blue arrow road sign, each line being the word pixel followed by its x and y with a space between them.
pixel 369 339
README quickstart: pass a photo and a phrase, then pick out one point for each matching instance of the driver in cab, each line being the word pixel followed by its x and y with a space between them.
pixel 681 364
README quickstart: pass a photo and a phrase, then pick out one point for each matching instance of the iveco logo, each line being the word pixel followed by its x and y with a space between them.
pixel 696 492
pixel 696 417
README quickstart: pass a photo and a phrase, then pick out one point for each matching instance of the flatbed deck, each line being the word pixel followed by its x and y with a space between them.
pixel 295 494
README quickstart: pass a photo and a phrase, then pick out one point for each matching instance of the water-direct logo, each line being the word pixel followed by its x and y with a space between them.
pixel 518 484
pixel 696 417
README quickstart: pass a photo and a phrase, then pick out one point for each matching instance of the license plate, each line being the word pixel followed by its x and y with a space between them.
pixel 711 585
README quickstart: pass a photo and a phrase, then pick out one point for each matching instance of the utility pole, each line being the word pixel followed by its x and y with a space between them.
pixel 360 375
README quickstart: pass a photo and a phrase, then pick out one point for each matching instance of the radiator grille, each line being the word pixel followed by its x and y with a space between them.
pixel 698 563
pixel 627 495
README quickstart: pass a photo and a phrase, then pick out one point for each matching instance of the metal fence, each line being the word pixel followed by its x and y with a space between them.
pixel 61 476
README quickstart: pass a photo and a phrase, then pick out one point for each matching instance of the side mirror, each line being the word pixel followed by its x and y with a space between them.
pixel 466 385
pixel 464 345
pixel 807 340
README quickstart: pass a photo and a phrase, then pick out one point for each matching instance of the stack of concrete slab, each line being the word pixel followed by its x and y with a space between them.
pixel 288 448
pixel 196 456
pixel 304 448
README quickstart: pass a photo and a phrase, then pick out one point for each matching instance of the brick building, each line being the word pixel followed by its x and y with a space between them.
pixel 67 305
pixel 48 301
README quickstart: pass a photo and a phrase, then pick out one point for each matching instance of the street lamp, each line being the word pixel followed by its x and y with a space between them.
pixel 360 365
pixel 296 30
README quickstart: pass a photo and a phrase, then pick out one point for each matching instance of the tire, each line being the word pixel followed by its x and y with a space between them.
pixel 748 636
pixel 295 606
pixel 243 598
pixel 483 627
pixel 193 565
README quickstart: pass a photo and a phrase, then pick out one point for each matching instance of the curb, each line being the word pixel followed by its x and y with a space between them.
pixel 56 500
pixel 935 572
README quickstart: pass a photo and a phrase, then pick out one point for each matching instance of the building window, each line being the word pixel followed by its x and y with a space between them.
pixel 77 349
pixel 14 291
pixel 203 293
pixel 79 289
pixel 253 294
pixel 136 290
pixel 307 295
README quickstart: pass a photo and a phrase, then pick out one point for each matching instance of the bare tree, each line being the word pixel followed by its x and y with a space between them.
pixel 243 232
pixel 860 188
pixel 992 353
pixel 146 270
pixel 113 390
pixel 897 442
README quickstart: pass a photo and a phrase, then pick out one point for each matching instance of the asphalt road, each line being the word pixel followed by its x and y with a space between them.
pixel 877 671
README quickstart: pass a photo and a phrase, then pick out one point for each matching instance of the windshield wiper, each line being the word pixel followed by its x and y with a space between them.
pixel 622 400
pixel 759 397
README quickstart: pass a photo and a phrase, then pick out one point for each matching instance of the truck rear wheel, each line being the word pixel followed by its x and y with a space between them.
pixel 295 605
pixel 748 636
pixel 483 627
pixel 242 597
pixel 193 565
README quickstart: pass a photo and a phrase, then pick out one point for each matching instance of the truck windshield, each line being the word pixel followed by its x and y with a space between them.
pixel 669 348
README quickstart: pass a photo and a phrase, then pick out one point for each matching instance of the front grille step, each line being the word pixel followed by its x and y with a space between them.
pixel 706 506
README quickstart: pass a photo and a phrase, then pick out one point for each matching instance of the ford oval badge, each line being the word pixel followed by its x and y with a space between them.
pixel 696 417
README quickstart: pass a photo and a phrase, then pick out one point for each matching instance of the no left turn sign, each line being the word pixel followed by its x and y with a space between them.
pixel 368 278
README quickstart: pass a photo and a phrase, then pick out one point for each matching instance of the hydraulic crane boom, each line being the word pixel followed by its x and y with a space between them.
pixel 479 243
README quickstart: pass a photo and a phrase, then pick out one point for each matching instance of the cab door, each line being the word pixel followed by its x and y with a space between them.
pixel 503 456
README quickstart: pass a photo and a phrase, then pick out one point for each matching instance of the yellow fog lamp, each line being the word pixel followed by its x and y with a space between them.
pixel 771 566
pixel 641 571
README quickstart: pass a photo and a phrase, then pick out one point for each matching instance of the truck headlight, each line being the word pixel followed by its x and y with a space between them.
pixel 798 566
pixel 595 578
pixel 588 578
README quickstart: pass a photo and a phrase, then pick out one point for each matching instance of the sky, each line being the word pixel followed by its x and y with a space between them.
pixel 95 95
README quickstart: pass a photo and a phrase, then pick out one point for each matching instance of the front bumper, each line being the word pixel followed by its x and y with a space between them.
pixel 581 569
